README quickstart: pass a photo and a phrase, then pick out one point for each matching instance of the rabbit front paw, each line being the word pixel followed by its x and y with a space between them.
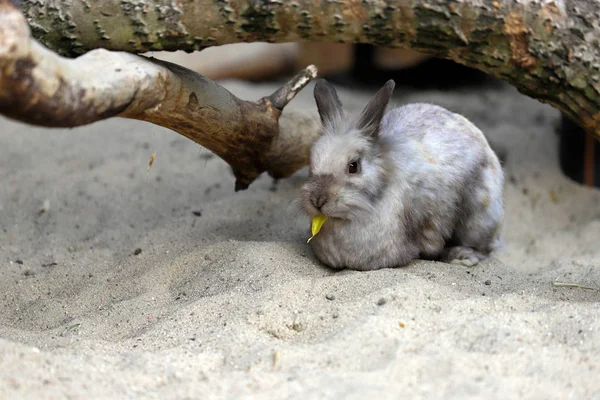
pixel 462 255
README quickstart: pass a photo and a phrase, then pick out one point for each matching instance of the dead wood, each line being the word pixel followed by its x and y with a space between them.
pixel 39 87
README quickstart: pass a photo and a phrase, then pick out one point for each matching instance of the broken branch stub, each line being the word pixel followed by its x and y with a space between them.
pixel 42 88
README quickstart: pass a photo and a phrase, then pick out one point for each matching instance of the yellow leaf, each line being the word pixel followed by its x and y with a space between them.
pixel 317 223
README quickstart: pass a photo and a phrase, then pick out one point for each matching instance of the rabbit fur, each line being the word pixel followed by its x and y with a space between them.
pixel 416 182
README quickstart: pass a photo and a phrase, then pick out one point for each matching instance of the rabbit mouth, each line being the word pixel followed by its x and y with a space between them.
pixel 348 210
pixel 324 211
pixel 327 210
pixel 333 211
pixel 334 208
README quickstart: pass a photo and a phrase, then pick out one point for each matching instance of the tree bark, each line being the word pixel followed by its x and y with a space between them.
pixel 547 49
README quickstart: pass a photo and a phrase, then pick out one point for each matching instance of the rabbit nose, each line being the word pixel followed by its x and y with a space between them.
pixel 318 200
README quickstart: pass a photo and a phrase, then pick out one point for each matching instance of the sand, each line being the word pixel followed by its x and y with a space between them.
pixel 229 302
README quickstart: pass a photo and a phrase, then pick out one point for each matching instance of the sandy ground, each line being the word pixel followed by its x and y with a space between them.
pixel 231 303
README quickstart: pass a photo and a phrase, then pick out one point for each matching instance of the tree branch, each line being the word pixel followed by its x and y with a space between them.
pixel 39 87
pixel 548 49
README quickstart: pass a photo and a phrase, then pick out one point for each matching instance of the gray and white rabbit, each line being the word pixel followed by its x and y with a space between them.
pixel 416 182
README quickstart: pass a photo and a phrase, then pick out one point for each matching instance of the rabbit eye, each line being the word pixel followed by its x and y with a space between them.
pixel 353 167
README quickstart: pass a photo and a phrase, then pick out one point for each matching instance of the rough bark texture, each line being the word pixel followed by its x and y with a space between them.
pixel 39 87
pixel 548 49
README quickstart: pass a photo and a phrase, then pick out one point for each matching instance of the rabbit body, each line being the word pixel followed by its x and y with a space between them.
pixel 426 185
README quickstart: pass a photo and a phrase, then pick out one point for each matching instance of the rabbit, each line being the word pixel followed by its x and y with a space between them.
pixel 416 182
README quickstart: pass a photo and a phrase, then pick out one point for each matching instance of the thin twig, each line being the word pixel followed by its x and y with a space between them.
pixel 577 285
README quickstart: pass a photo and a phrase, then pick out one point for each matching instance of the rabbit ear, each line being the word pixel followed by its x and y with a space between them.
pixel 328 102
pixel 371 117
